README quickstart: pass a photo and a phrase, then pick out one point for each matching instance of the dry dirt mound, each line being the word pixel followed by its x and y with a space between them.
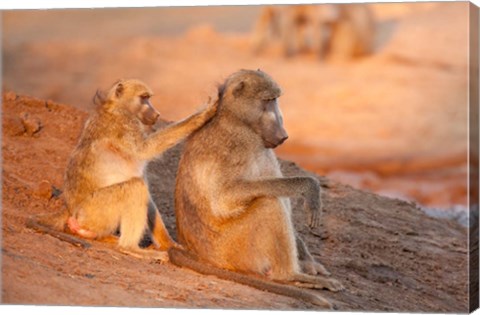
pixel 387 253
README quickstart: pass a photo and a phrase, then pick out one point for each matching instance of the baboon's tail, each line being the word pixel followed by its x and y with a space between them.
pixel 182 258
pixel 53 224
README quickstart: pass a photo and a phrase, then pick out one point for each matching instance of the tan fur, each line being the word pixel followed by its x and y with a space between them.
pixel 334 31
pixel 104 187
pixel 232 205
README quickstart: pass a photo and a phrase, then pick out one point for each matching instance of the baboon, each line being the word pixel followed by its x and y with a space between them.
pixel 105 188
pixel 352 33
pixel 232 207
pixel 298 28
pixel 330 30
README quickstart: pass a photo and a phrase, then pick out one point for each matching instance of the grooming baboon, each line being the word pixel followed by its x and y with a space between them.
pixel 104 186
pixel 231 200
pixel 336 31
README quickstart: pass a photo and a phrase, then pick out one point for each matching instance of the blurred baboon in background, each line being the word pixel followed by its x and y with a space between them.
pixel 332 31
pixel 352 34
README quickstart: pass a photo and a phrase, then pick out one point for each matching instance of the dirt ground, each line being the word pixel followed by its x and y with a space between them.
pixel 394 123
pixel 387 253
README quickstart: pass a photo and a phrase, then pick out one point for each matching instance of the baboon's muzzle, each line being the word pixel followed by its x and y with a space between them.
pixel 150 116
pixel 277 139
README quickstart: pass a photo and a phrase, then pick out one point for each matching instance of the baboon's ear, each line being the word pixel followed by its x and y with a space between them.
pixel 238 89
pixel 119 90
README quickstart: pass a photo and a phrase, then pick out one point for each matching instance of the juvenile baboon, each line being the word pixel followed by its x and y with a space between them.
pixel 330 30
pixel 231 199
pixel 105 188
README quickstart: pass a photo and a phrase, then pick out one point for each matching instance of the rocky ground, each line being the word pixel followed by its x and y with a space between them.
pixel 387 253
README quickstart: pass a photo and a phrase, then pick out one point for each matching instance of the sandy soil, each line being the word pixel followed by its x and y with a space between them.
pixel 394 123
pixel 388 254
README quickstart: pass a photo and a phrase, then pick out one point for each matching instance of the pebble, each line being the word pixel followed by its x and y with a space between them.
pixel 50 105
pixel 9 96
pixel 44 190
pixel 13 126
pixel 32 124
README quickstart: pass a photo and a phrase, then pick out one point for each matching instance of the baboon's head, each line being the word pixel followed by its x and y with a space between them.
pixel 251 96
pixel 132 95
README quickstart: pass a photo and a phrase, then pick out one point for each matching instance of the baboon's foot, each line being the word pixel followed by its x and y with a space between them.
pixel 321 270
pixel 313 268
pixel 316 282
pixel 76 229
pixel 308 267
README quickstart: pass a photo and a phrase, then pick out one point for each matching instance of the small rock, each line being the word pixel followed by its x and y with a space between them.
pixel 56 192
pixel 50 105
pixel 44 190
pixel 9 96
pixel 32 124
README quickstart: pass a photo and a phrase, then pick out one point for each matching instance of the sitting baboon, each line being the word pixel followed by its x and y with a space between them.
pixel 231 199
pixel 105 187
pixel 336 31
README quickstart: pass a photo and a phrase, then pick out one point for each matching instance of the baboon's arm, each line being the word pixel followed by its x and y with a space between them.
pixel 243 192
pixel 164 139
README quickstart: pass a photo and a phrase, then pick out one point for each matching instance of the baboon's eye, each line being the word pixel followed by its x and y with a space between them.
pixel 145 96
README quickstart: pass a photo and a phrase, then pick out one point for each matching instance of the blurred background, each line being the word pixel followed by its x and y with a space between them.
pixel 375 95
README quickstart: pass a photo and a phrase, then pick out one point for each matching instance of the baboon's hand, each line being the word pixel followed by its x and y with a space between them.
pixel 315 215
pixel 211 108
pixel 314 221
pixel 313 203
